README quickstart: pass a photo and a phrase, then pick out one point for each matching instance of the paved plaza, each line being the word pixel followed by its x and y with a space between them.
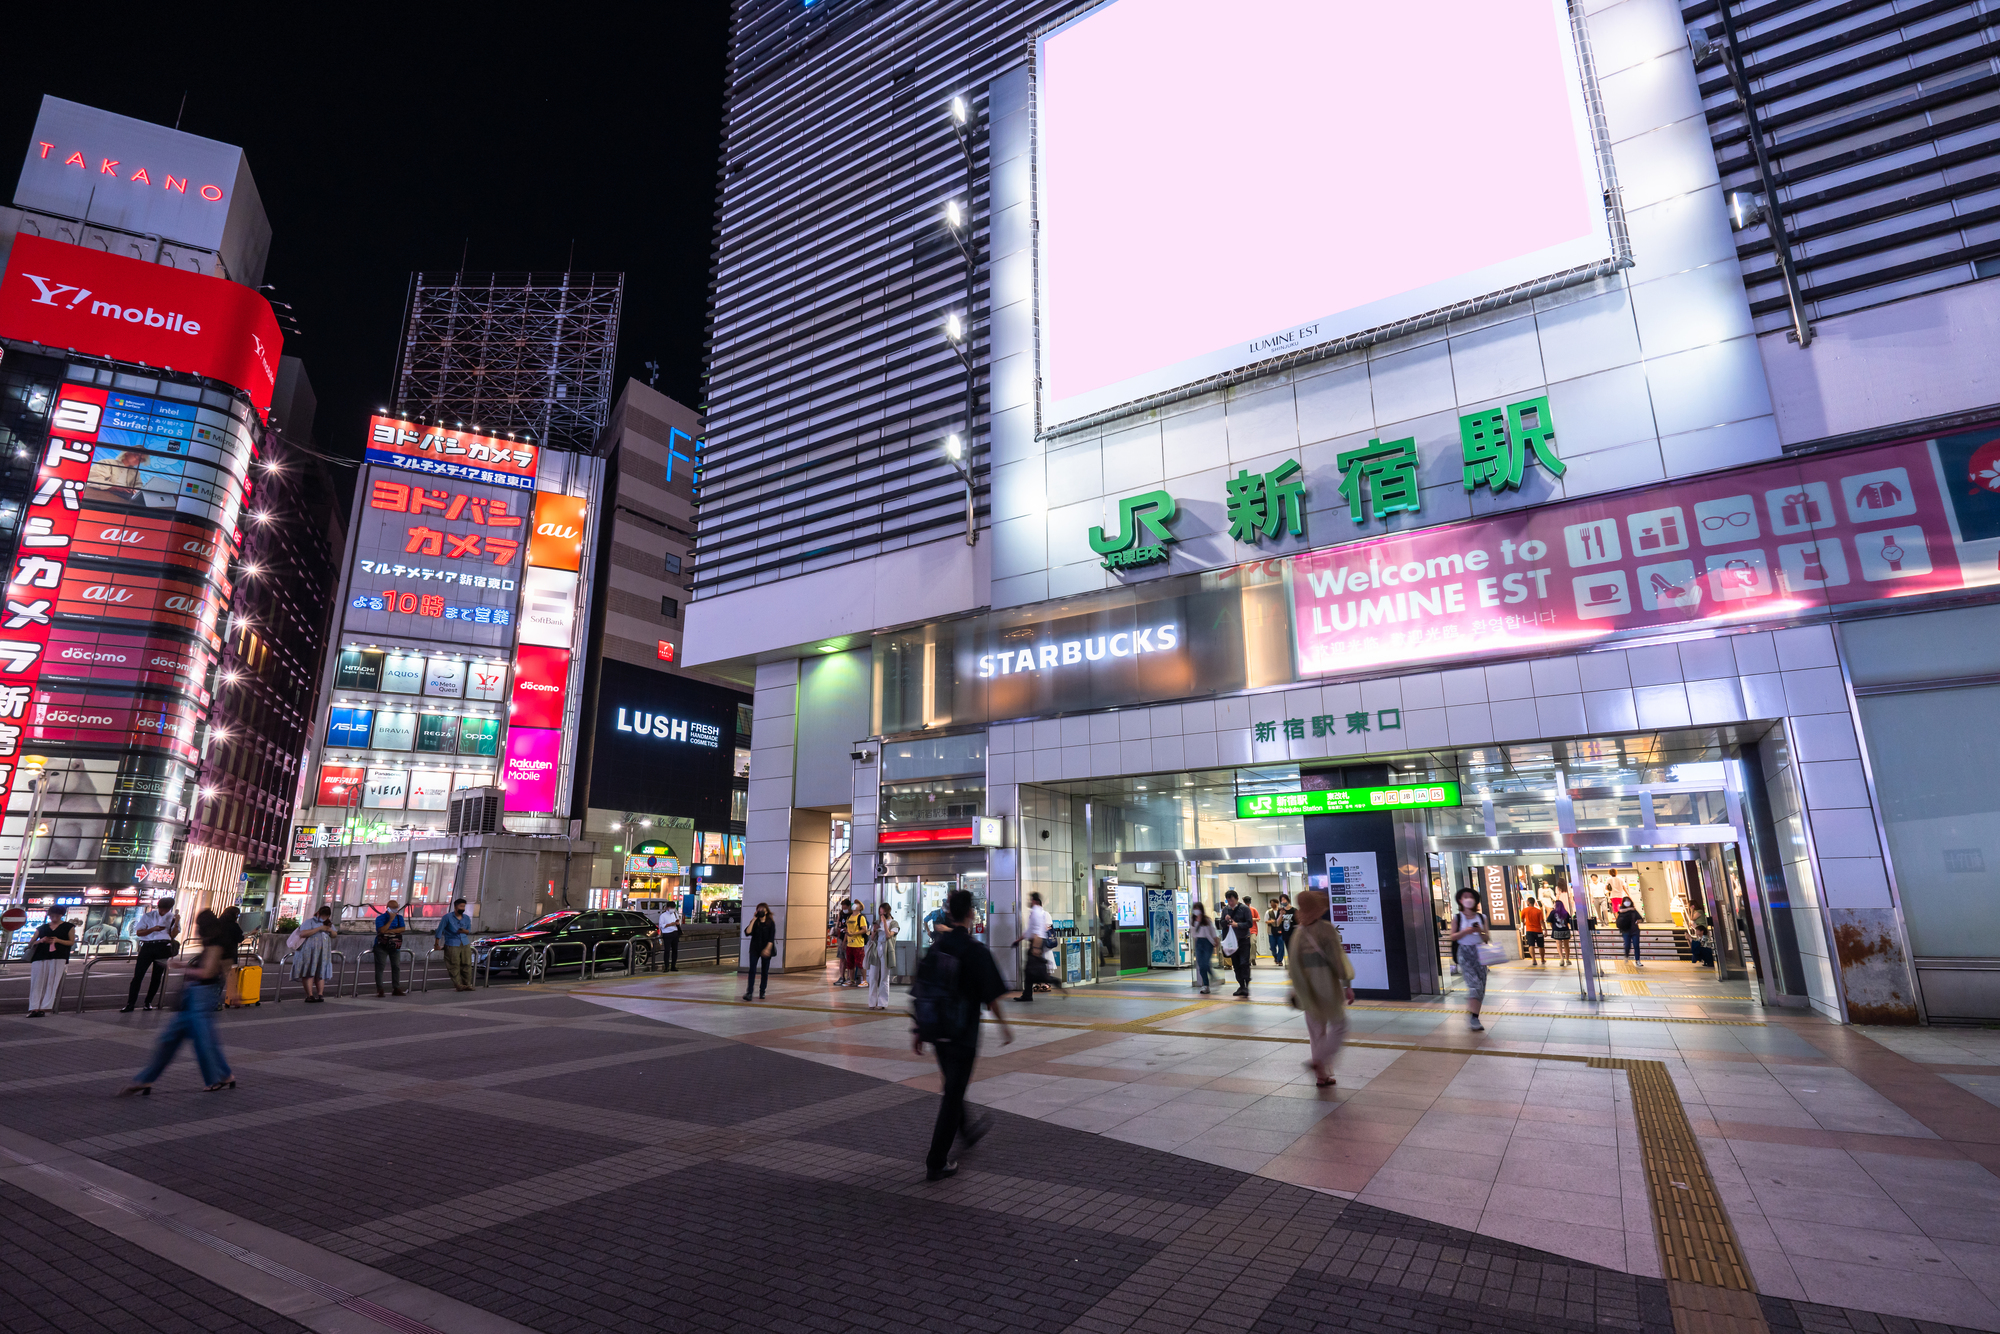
pixel 652 1153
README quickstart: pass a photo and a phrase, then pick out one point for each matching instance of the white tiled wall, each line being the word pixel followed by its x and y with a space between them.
pixel 1652 373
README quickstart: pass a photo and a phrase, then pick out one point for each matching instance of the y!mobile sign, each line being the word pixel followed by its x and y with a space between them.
pixel 1776 540
pixel 70 296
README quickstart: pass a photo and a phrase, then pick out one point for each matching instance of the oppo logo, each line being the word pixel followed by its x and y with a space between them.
pixel 106 593
pixel 182 604
pixel 562 530
pixel 125 535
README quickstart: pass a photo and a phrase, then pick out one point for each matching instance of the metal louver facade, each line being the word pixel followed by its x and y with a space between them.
pixel 830 384
pixel 1879 129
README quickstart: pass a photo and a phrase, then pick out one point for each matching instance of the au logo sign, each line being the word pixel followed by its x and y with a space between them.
pixel 557 542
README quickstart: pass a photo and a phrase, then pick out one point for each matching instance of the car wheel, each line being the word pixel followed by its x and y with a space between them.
pixel 642 956
pixel 531 965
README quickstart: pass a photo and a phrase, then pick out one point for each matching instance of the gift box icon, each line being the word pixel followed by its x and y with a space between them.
pixel 1801 508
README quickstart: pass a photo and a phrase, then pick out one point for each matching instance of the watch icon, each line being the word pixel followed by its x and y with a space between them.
pixel 1892 553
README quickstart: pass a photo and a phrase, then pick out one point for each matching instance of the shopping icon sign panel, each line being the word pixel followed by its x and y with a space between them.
pixel 1884 494
pixel 1668 585
pixel 1896 553
pixel 1804 567
pixel 1735 575
pixel 1801 508
pixel 1657 531
pixel 1602 594
pixel 1725 522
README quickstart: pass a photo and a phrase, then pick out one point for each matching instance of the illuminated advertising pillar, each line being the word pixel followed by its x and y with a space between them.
pixel 545 656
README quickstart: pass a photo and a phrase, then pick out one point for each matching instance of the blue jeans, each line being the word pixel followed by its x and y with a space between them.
pixel 1277 949
pixel 1204 951
pixel 193 1022
pixel 1631 944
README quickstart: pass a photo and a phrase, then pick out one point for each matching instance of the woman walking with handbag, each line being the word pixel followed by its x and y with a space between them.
pixel 879 957
pixel 1468 932
pixel 1201 932
pixel 195 1020
pixel 1562 923
pixel 763 933
pixel 1322 977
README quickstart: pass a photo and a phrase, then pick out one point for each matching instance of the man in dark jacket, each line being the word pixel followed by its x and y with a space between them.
pixel 1236 913
pixel 980 987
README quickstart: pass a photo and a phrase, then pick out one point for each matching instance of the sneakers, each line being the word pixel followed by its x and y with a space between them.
pixel 940 1173
pixel 1474 1024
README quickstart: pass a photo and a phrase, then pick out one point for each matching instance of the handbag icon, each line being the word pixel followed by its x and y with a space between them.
pixel 1800 507
pixel 1740 571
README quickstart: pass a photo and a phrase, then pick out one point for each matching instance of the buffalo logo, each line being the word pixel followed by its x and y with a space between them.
pixel 106 593
pixel 561 530
pixel 124 535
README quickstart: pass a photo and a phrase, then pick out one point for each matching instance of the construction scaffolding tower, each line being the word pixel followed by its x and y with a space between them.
pixel 526 352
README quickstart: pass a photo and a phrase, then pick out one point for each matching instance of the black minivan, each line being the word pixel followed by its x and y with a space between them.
pixel 571 936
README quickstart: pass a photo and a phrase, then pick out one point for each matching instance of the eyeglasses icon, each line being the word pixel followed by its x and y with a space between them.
pixel 1736 520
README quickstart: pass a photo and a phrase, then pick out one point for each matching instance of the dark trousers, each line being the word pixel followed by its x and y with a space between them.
pixel 670 950
pixel 1241 962
pixel 395 960
pixel 955 1061
pixel 1631 944
pixel 752 983
pixel 153 954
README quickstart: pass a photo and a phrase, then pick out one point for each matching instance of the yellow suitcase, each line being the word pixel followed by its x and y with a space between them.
pixel 246 984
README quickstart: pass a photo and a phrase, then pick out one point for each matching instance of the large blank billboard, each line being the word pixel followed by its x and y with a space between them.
pixel 1217 186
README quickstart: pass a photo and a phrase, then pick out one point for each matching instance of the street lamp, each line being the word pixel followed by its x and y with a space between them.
pixel 960 115
pixel 955 222
pixel 954 452
pixel 38 766
pixel 954 337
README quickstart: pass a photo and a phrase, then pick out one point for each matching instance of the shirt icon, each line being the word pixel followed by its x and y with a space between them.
pixel 1878 495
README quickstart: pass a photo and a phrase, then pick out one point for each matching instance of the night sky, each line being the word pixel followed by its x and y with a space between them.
pixel 388 139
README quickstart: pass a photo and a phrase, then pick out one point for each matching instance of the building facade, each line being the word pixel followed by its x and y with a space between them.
pixel 1613 574
pixel 141 366
pixel 665 803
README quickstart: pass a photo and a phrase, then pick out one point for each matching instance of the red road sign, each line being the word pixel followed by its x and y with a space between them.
pixel 14 918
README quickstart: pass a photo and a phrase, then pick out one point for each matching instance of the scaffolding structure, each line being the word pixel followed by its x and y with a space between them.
pixel 528 352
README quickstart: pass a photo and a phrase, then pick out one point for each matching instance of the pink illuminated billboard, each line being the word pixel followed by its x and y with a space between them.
pixel 529 771
pixel 1215 187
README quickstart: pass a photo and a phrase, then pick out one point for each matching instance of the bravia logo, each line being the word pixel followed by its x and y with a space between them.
pixel 106 593
pixel 564 531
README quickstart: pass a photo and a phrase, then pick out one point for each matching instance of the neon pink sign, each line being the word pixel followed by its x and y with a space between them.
pixel 529 773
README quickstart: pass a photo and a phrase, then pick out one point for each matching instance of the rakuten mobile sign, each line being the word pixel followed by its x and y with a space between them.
pixel 69 296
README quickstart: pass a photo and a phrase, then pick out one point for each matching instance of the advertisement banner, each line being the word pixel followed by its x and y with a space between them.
pixel 479 736
pixel 72 296
pixel 403 674
pixel 395 729
pixel 430 789
pixel 445 678
pixel 339 784
pixel 437 733
pixel 440 562
pixel 349 726
pixel 358 669
pixel 557 542
pixel 150 599
pixel 529 774
pixel 541 678
pixel 386 790
pixel 486 681
pixel 78 653
pixel 113 720
pixel 192 546
pixel 451 453
pixel 548 608
pixel 1354 904
pixel 1771 541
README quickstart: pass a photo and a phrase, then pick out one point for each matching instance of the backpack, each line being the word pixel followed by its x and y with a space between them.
pixel 938 998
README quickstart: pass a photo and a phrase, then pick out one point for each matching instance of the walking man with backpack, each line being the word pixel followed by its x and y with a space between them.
pixel 956 978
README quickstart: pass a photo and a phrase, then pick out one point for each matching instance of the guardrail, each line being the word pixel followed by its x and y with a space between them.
pixel 543 960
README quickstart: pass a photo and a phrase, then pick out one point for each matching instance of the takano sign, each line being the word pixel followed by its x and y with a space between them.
pixel 82 300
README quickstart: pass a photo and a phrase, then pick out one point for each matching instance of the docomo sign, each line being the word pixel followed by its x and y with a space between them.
pixel 69 296
pixel 541 683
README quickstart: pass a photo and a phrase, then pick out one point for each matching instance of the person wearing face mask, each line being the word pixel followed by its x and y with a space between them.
pixel 312 953
pixel 1468 932
pixel 763 933
pixel 156 933
pixel 48 956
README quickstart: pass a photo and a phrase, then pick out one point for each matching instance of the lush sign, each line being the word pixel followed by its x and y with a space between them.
pixel 1347 800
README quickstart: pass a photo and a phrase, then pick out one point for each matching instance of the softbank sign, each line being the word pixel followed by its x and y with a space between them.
pixel 69 296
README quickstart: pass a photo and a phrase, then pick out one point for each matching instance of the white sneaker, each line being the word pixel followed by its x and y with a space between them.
pixel 1475 1025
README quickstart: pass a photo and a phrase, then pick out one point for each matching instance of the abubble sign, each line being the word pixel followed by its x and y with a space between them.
pixel 1346 800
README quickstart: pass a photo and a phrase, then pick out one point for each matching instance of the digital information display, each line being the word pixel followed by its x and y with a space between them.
pixel 1141 294
pixel 1347 800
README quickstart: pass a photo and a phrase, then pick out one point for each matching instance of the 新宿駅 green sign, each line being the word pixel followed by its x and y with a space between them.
pixel 1347 800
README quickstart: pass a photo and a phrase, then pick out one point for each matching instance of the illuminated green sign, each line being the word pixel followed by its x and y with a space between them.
pixel 1347 800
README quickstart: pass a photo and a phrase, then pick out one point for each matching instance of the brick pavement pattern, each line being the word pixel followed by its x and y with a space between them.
pixel 572 1168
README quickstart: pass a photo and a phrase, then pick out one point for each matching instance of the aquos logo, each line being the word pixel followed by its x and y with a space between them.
pixel 106 593
pixel 560 530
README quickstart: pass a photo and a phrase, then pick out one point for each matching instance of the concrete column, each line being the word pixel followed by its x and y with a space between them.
pixel 785 850
pixel 1003 875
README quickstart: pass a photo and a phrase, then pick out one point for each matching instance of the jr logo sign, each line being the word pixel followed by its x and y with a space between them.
pixel 1152 512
